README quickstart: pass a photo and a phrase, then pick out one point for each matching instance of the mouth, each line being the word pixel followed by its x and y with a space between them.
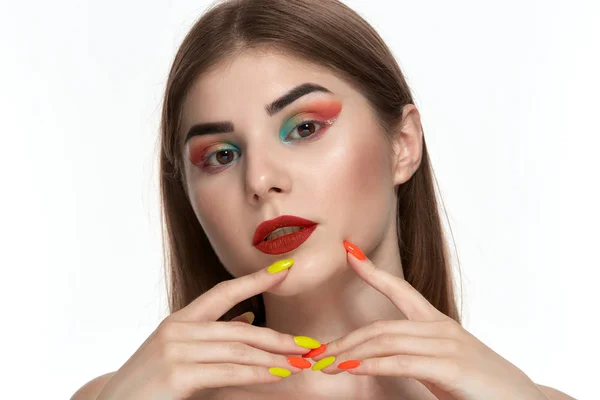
pixel 282 234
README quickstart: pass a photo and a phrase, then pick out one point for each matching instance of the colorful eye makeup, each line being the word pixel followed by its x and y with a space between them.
pixel 322 112
pixel 218 156
pixel 312 122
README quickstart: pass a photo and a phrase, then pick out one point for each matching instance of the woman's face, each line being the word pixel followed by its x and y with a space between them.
pixel 322 157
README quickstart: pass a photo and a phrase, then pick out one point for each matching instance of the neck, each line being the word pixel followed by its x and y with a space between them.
pixel 339 305
pixel 333 309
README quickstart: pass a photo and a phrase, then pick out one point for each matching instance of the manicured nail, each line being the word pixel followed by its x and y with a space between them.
pixel 349 364
pixel 307 342
pixel 298 362
pixel 354 250
pixel 245 317
pixel 280 265
pixel 315 352
pixel 282 372
pixel 324 363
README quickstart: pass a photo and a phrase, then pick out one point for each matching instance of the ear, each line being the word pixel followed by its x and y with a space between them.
pixel 407 145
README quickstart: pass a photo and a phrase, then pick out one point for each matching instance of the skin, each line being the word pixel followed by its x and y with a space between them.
pixel 331 180
pixel 344 180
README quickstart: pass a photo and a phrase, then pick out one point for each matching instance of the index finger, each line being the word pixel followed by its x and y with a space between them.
pixel 211 305
pixel 405 297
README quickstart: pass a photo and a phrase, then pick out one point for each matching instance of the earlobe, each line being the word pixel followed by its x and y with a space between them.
pixel 407 145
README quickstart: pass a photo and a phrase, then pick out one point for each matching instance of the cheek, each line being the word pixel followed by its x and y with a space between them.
pixel 357 184
pixel 215 216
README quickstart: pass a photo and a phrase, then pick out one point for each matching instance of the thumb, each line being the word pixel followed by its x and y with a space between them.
pixel 247 317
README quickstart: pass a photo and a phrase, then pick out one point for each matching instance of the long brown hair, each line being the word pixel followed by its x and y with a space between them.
pixel 327 33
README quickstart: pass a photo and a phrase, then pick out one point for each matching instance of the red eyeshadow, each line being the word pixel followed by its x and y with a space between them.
pixel 325 108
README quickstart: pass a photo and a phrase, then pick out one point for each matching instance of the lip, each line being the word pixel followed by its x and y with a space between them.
pixel 285 243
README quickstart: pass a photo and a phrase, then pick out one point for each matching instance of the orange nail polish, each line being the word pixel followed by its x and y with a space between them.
pixel 349 364
pixel 315 352
pixel 298 362
pixel 354 250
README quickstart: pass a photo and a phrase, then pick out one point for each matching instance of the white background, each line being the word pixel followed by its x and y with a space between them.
pixel 508 93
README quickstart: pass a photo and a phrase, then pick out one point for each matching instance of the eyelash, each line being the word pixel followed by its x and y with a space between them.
pixel 319 132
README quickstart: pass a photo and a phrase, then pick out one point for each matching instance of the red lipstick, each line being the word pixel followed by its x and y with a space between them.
pixel 285 243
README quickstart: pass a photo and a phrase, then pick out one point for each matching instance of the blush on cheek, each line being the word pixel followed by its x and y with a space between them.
pixel 368 191
pixel 222 228
pixel 207 209
pixel 369 173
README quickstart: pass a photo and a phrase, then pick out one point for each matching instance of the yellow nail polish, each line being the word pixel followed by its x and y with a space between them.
pixel 324 363
pixel 280 265
pixel 282 372
pixel 307 342
pixel 249 315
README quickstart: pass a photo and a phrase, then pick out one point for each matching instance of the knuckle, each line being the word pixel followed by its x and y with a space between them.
pixel 221 285
pixel 451 328
pixel 170 351
pixel 180 382
pixel 403 363
pixel 224 288
pixel 380 326
pixel 387 339
pixel 166 330
pixel 255 278
pixel 174 379
pixel 258 373
pixel 239 350
pixel 228 369
pixel 452 347
pixel 455 370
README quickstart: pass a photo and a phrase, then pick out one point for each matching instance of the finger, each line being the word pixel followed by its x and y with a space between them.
pixel 387 345
pixel 406 298
pixel 439 371
pixel 231 352
pixel 217 301
pixel 428 329
pixel 191 377
pixel 227 331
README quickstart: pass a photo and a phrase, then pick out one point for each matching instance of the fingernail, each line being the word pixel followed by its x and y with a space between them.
pixel 315 352
pixel 307 342
pixel 324 363
pixel 349 364
pixel 282 372
pixel 354 250
pixel 298 362
pixel 280 265
pixel 245 317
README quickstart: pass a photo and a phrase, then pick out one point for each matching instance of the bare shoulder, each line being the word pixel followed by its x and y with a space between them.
pixel 90 390
pixel 554 394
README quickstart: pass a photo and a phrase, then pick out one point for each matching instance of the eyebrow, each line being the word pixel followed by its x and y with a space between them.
pixel 271 109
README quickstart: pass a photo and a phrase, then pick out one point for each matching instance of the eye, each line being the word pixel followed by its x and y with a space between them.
pixel 221 158
pixel 303 130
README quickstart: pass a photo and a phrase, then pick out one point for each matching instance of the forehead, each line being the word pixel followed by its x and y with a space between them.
pixel 244 84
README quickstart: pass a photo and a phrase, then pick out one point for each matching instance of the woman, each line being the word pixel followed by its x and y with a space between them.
pixel 297 188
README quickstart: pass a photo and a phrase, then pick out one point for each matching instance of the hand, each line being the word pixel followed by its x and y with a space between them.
pixel 427 346
pixel 191 351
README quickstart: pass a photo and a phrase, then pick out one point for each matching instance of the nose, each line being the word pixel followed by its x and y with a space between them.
pixel 266 176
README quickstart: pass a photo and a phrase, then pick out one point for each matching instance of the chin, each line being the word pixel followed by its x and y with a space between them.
pixel 312 270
